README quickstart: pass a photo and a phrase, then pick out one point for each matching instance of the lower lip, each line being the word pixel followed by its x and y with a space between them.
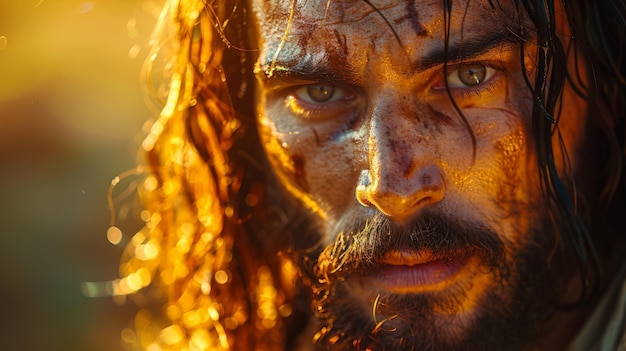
pixel 419 278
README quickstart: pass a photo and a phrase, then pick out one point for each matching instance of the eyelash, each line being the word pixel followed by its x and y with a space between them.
pixel 490 87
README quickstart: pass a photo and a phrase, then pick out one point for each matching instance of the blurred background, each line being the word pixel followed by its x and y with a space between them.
pixel 72 111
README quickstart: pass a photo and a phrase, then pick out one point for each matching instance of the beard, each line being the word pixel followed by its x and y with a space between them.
pixel 509 314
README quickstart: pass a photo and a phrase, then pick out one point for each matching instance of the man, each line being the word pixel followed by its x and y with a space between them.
pixel 387 175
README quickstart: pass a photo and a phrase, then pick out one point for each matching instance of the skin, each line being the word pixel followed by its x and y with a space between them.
pixel 357 123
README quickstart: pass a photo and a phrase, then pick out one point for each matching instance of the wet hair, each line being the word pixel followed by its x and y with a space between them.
pixel 212 252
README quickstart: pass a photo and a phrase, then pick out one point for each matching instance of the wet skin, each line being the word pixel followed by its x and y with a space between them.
pixel 356 120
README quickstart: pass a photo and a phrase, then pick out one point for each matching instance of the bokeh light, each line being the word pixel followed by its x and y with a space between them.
pixel 72 116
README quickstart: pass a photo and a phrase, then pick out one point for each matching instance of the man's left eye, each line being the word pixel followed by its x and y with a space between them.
pixel 469 75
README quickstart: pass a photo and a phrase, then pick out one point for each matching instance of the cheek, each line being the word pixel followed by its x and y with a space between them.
pixel 290 168
pixel 497 186
pixel 515 163
pixel 332 174
pixel 313 167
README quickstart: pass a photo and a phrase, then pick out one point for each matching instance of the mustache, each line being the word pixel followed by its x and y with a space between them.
pixel 362 242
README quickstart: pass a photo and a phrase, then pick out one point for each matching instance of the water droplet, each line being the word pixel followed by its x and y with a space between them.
pixel 114 235
pixel 3 42
pixel 91 289
pixel 85 7
pixel 229 211
pixel 221 277
pixel 134 51
pixel 145 215
pixel 128 335
pixel 251 200
pixel 150 184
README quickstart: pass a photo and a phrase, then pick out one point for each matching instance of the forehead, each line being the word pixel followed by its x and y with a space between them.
pixel 337 12
pixel 336 27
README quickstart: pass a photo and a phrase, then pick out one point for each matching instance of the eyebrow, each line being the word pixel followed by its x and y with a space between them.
pixel 305 69
pixel 469 48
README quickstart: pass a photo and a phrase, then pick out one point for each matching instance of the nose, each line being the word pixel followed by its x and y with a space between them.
pixel 403 176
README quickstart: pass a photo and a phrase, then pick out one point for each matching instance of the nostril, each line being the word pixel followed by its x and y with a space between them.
pixel 365 179
pixel 362 188
pixel 431 185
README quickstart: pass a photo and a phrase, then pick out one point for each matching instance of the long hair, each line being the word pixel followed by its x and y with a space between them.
pixel 210 253
pixel 219 287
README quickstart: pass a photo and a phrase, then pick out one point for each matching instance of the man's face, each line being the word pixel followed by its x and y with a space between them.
pixel 429 223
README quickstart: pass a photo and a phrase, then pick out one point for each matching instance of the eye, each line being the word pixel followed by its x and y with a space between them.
pixel 323 101
pixel 320 93
pixel 469 75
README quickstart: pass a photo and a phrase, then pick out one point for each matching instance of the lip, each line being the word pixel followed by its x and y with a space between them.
pixel 404 272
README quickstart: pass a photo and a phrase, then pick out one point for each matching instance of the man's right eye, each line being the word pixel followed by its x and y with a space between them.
pixel 320 94
pixel 322 101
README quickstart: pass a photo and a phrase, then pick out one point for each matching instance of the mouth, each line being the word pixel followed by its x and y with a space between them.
pixel 410 272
